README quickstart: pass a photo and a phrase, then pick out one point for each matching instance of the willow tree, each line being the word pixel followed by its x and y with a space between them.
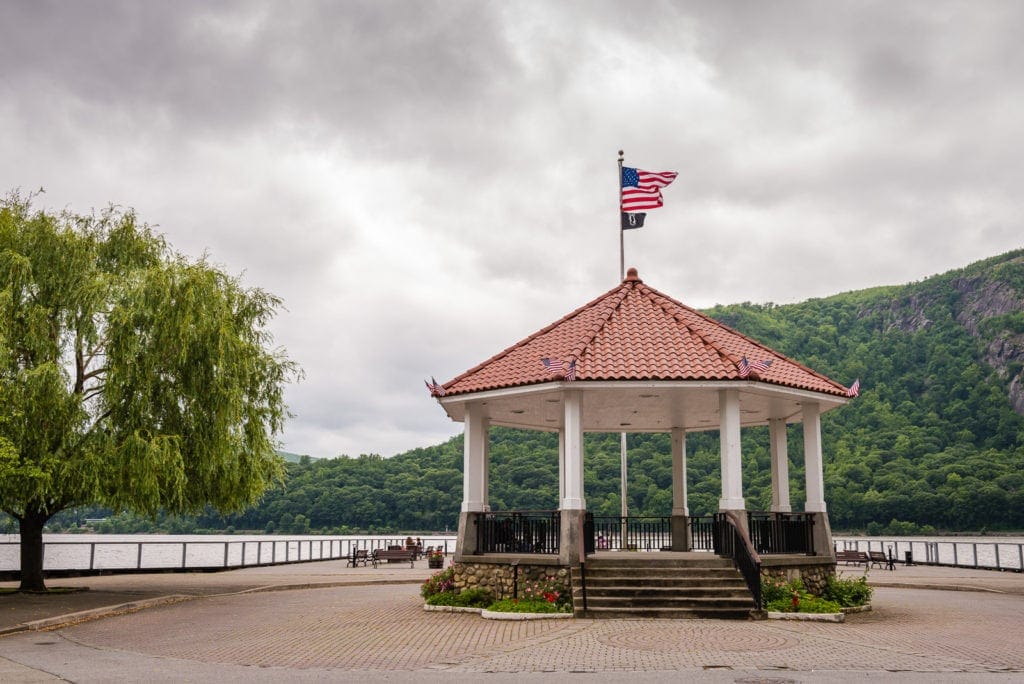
pixel 130 376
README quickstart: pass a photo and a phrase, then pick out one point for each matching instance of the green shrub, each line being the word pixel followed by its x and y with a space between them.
pixel 848 592
pixel 526 605
pixel 468 598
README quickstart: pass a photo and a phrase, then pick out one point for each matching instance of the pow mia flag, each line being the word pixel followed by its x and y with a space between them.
pixel 632 220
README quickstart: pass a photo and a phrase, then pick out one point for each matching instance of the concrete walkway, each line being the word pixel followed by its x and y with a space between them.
pixel 326 622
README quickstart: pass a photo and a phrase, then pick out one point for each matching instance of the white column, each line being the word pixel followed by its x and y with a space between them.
pixel 474 456
pixel 561 465
pixel 573 430
pixel 732 465
pixel 812 459
pixel 486 476
pixel 679 499
pixel 780 465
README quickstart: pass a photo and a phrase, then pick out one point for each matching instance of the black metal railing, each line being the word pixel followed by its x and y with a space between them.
pixel 730 541
pixel 781 532
pixel 518 532
pixel 702 532
pixel 632 533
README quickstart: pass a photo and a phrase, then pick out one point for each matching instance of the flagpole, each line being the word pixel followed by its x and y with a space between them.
pixel 624 531
pixel 622 245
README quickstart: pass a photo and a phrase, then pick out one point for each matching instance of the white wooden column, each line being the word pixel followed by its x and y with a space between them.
pixel 780 465
pixel 573 437
pixel 732 465
pixel 561 465
pixel 679 500
pixel 474 460
pixel 812 459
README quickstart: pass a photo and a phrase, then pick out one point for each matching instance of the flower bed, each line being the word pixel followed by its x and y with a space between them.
pixel 534 600
pixel 791 601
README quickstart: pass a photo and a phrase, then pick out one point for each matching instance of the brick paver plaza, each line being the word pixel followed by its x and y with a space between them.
pixel 380 632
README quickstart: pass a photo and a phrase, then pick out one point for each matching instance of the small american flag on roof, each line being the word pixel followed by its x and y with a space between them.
pixel 556 367
pixel 854 389
pixel 746 367
pixel 436 390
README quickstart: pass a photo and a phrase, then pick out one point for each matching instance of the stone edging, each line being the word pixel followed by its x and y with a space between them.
pixel 497 615
pixel 450 609
pixel 820 617
pixel 808 617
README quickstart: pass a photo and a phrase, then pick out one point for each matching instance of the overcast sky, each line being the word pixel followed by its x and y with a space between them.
pixel 426 183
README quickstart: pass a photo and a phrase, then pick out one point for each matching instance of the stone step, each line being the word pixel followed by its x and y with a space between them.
pixel 667 613
pixel 606 601
pixel 638 591
pixel 620 581
pixel 652 561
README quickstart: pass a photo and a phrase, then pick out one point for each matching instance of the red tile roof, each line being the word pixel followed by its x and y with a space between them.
pixel 634 332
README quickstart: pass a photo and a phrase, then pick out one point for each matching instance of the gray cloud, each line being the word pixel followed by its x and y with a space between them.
pixel 427 183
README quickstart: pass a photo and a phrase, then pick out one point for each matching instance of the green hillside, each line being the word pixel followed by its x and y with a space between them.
pixel 933 440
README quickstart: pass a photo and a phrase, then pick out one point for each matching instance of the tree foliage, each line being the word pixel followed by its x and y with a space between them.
pixel 130 375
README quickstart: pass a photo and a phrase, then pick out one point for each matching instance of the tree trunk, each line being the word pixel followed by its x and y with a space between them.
pixel 31 528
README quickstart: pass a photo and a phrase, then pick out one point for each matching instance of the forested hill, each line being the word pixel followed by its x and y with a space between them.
pixel 933 439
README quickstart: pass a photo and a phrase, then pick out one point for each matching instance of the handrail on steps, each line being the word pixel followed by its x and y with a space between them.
pixel 737 545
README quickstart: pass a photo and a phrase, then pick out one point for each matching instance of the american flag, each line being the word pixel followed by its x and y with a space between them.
pixel 746 368
pixel 560 368
pixel 436 390
pixel 854 389
pixel 552 366
pixel 642 189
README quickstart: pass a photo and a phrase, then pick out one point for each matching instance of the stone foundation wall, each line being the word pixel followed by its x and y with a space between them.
pixel 498 579
pixel 814 576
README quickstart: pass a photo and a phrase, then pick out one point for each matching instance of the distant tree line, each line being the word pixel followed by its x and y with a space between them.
pixel 931 443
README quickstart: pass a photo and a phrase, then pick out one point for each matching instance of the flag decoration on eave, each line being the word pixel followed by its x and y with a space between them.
pixel 555 367
pixel 746 367
pixel 854 389
pixel 436 390
pixel 641 190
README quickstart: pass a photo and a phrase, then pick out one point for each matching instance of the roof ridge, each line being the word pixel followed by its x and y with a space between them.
pixel 749 339
pixel 714 344
pixel 622 293
pixel 525 341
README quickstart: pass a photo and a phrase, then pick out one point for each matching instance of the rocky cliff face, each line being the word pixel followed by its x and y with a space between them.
pixel 983 294
pixel 984 297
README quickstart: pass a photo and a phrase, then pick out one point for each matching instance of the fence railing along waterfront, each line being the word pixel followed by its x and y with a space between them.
pixel 971 553
pixel 159 552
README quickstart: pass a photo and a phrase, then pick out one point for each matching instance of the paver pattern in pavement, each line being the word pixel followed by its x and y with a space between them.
pixel 384 628
pixel 325 622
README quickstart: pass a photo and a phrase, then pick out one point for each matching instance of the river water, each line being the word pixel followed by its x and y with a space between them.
pixel 153 551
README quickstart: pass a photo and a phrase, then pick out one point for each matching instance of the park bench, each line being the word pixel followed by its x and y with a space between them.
pixel 394 556
pixel 358 557
pixel 881 560
pixel 855 557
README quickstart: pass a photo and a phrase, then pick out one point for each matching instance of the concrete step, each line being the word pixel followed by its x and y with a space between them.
pixel 646 586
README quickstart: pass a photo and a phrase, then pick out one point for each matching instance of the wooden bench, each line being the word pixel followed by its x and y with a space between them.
pixel 881 560
pixel 855 557
pixel 394 556
pixel 358 557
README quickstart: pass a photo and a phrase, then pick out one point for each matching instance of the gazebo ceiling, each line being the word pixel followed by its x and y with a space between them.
pixel 643 362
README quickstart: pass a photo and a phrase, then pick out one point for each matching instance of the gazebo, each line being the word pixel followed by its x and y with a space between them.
pixel 636 360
